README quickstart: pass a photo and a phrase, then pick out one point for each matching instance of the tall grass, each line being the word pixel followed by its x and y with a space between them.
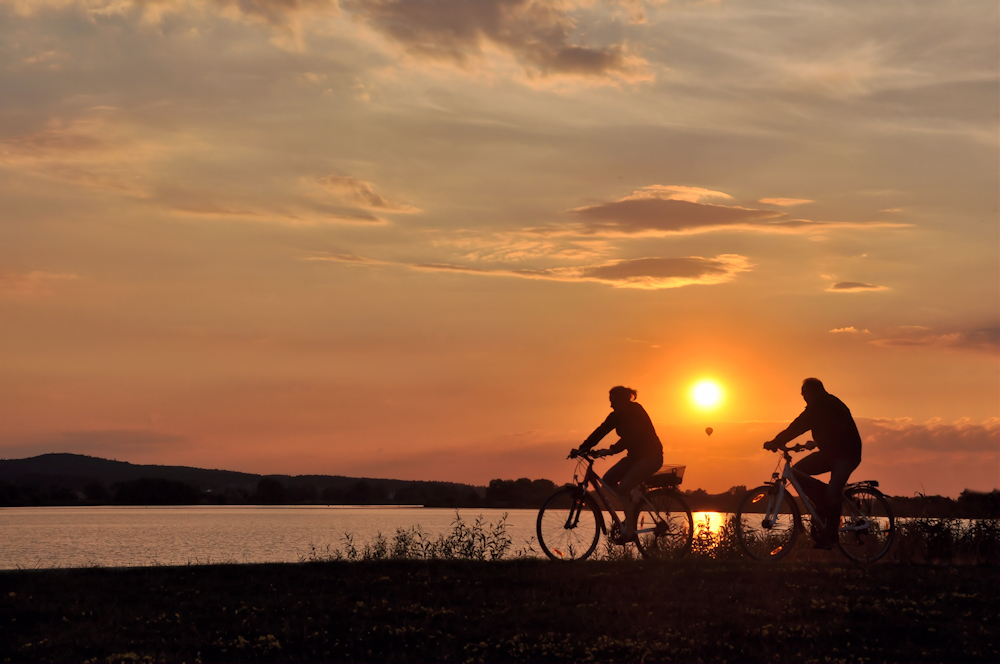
pixel 918 540
pixel 482 540
pixel 967 541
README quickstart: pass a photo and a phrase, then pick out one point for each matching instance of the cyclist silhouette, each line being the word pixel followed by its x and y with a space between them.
pixel 636 435
pixel 839 453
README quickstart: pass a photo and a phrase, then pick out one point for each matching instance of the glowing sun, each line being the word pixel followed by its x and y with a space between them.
pixel 706 393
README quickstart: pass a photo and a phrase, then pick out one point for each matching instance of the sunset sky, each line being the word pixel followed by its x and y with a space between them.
pixel 421 239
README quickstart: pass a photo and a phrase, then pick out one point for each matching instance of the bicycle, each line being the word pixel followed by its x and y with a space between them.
pixel 768 520
pixel 571 520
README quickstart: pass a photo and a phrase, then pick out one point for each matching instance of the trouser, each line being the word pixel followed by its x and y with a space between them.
pixel 826 497
pixel 629 473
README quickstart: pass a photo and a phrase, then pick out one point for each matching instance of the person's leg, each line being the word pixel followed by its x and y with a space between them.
pixel 641 469
pixel 816 463
pixel 840 472
pixel 818 492
pixel 615 473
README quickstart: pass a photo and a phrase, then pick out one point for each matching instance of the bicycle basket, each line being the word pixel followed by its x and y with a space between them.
pixel 667 475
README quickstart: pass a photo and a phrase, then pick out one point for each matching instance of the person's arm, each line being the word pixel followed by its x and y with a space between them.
pixel 606 427
pixel 617 447
pixel 799 426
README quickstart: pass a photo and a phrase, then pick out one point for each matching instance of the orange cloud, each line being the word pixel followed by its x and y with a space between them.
pixel 636 215
pixel 536 34
pixel 854 287
pixel 667 209
pixel 784 202
pixel 887 435
pixel 982 339
pixel 642 273
pixel 362 194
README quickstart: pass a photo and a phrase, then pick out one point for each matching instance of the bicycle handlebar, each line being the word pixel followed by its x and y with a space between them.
pixel 810 445
pixel 587 454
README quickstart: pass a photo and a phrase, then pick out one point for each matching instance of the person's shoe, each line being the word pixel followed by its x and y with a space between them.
pixel 623 536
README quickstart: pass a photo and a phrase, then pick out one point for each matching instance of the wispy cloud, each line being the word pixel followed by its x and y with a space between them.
pixel 92 152
pixel 981 339
pixel 848 330
pixel 516 246
pixel 359 193
pixel 785 202
pixel 935 435
pixel 285 18
pixel 641 273
pixel 854 287
pixel 103 152
pixel 539 36
pixel 667 209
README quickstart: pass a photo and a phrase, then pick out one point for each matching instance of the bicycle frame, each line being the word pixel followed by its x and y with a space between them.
pixel 788 474
pixel 591 477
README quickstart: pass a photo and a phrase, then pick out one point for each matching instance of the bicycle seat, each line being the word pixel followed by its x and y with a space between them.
pixel 666 476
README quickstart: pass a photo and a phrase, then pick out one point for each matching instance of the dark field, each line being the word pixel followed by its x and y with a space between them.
pixel 506 611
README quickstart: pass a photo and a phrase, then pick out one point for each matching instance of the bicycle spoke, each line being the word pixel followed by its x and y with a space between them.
pixel 664 526
pixel 766 531
pixel 568 525
pixel 867 525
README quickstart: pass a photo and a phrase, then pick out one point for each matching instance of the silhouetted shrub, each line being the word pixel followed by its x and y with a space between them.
pixel 481 541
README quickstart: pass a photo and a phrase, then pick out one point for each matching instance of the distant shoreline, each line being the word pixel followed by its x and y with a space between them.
pixel 74 479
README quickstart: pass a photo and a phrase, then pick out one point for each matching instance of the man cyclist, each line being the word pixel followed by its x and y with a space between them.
pixel 839 453
pixel 637 436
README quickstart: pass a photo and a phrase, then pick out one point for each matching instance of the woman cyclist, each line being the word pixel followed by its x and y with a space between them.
pixel 638 437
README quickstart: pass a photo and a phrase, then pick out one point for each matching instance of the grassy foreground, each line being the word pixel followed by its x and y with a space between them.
pixel 505 611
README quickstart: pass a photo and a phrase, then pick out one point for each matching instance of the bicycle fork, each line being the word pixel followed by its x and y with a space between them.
pixel 575 510
pixel 775 498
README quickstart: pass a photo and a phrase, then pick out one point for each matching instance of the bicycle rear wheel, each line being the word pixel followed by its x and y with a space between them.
pixel 867 525
pixel 763 533
pixel 664 527
pixel 569 525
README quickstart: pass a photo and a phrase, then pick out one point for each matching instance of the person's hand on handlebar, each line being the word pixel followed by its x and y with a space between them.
pixel 772 446
pixel 580 452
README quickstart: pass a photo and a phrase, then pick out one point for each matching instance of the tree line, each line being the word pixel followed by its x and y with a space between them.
pixel 514 494
pixel 274 491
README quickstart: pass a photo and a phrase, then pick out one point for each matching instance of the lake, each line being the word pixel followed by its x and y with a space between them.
pixel 48 537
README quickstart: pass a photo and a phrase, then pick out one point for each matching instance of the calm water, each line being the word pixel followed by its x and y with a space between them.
pixel 40 537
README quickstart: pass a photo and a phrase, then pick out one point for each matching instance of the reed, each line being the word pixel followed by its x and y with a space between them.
pixel 482 541
pixel 918 540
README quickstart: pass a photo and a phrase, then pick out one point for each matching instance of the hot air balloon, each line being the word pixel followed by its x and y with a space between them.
pixel 709 430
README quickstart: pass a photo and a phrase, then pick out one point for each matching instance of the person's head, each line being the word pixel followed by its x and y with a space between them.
pixel 812 388
pixel 620 396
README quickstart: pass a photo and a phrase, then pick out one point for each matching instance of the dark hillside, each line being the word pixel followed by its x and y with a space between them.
pixel 68 479
pixel 75 470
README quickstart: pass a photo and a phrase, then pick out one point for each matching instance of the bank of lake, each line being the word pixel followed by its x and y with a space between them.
pixel 505 611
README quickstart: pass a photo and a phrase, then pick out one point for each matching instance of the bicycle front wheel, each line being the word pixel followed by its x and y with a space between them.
pixel 765 530
pixel 569 525
pixel 664 526
pixel 867 525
